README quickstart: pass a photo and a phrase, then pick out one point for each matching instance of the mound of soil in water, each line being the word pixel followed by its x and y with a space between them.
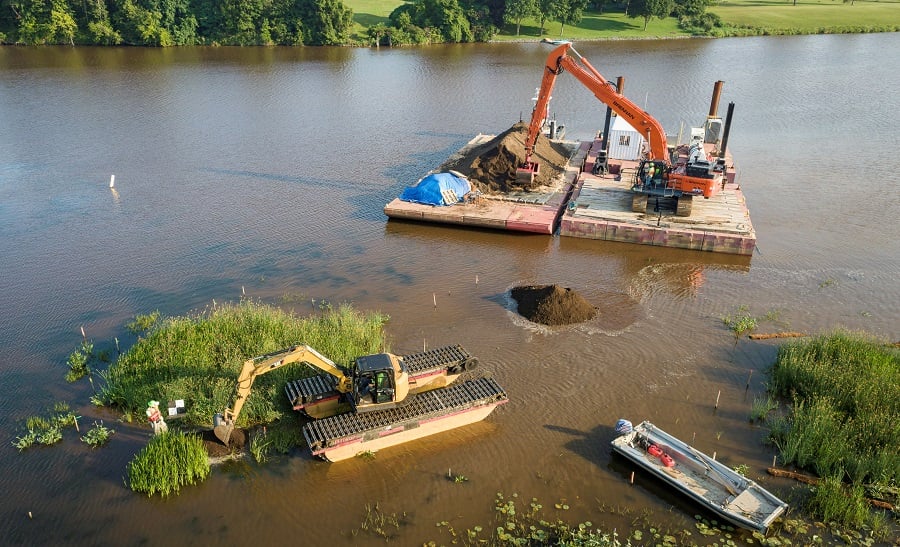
pixel 214 446
pixel 491 167
pixel 552 305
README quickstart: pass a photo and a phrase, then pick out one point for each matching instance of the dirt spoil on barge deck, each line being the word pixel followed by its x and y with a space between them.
pixel 491 166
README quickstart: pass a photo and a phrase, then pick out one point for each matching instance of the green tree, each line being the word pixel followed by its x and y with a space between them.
pixel 546 11
pixel 377 33
pixel 516 10
pixel 648 9
pixel 325 22
pixel 177 18
pixel 569 12
pixel 94 24
pixel 239 22
pixel 43 21
pixel 436 20
pixel 62 23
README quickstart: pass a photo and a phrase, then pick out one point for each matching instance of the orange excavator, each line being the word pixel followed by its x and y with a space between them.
pixel 687 175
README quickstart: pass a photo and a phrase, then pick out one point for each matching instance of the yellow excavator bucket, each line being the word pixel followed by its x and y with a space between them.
pixel 222 429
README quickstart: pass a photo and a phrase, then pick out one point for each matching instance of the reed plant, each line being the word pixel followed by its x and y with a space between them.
pixel 845 393
pixel 843 422
pixel 260 446
pixel 197 357
pixel 761 407
pixel 836 502
pixel 168 462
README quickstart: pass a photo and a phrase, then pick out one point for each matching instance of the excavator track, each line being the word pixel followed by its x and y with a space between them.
pixel 453 358
pixel 345 435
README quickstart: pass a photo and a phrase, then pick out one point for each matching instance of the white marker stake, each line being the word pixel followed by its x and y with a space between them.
pixel 112 181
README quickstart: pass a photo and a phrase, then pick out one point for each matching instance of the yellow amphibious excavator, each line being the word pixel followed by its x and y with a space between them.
pixel 377 382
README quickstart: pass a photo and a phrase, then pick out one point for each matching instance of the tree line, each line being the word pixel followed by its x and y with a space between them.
pixel 432 21
pixel 303 22
pixel 175 22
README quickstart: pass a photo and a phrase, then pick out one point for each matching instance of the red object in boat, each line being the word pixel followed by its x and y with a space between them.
pixel 654 450
pixel 667 460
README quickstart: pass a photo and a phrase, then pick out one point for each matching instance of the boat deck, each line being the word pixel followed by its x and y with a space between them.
pixel 584 205
pixel 722 490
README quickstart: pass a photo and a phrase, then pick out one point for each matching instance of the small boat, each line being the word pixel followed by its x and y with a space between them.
pixel 719 488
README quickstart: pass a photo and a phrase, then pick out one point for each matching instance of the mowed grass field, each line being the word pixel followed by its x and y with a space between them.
pixel 774 16
pixel 809 15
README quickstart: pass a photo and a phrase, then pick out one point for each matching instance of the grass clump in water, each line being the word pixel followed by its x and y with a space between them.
pixel 46 430
pixel 171 460
pixel 844 420
pixel 79 361
pixel 198 357
pixel 98 435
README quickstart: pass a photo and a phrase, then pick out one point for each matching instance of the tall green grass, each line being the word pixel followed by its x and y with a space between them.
pixel 197 357
pixel 167 463
pixel 844 420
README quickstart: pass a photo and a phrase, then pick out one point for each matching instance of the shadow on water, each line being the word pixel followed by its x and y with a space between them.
pixel 592 445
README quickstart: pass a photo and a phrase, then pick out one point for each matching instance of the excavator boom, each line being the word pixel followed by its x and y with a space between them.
pixel 560 59
pixel 224 423
pixel 660 173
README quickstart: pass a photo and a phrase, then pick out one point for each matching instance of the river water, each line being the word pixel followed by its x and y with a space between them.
pixel 264 171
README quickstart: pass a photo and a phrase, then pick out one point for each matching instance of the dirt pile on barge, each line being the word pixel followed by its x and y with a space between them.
pixel 491 167
pixel 552 305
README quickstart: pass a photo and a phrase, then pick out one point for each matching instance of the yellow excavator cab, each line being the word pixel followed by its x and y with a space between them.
pixel 381 381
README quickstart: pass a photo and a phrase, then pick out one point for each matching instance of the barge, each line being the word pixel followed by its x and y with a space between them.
pixel 347 435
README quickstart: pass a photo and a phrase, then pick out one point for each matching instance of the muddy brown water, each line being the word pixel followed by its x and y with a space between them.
pixel 263 172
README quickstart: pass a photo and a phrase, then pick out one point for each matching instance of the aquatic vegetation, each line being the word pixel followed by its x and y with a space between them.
pixel 740 323
pixel 143 322
pixel 837 502
pixel 741 469
pixel 79 360
pixel 46 430
pixel 845 412
pixel 197 357
pixel 844 419
pixel 98 435
pixel 168 462
pixel 259 446
pixel 761 407
pixel 379 523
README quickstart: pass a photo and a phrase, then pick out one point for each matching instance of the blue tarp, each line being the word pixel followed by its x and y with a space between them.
pixel 429 190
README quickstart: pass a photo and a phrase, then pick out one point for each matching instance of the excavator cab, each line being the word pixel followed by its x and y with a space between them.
pixel 380 381
pixel 651 175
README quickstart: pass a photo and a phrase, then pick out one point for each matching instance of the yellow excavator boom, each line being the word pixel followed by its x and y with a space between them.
pixel 224 423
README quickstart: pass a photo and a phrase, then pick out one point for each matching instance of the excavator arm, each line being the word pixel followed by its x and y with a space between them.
pixel 224 423
pixel 564 57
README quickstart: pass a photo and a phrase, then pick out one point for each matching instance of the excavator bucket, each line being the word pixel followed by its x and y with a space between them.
pixel 526 173
pixel 222 429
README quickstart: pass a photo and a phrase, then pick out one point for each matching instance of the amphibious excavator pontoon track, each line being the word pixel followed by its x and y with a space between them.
pixel 453 359
pixel 345 435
